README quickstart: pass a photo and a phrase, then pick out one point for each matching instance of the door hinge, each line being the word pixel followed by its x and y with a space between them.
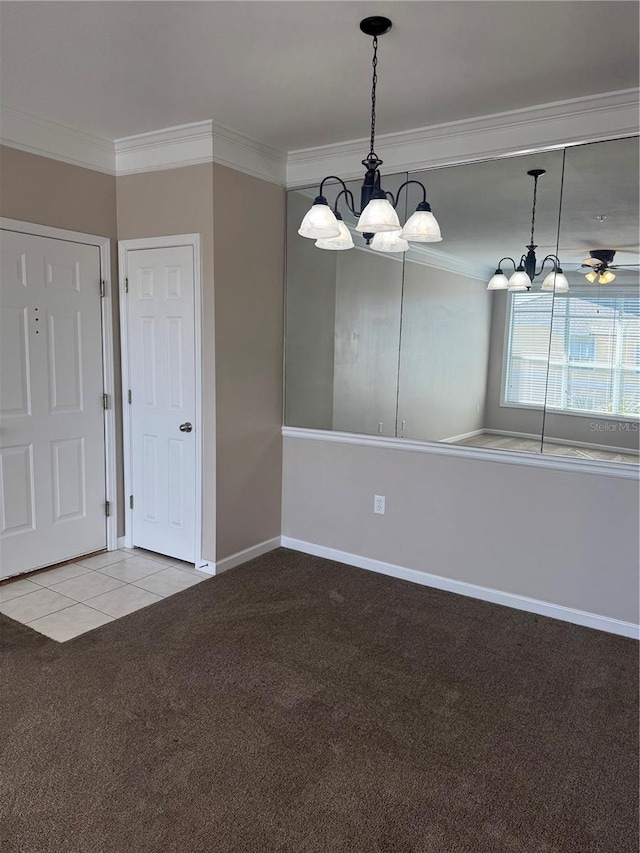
pixel 105 401
pixel 107 508
pixel 126 285
pixel 103 285
pixel 130 501
pixel 129 396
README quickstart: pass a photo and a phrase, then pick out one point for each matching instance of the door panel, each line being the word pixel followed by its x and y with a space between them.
pixel 161 337
pixel 52 483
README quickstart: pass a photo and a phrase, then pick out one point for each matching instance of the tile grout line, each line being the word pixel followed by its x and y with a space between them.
pixel 163 566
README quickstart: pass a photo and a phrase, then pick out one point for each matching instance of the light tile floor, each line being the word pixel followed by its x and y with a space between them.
pixel 66 601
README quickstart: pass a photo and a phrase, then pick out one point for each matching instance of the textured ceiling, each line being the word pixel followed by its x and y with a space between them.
pixel 297 74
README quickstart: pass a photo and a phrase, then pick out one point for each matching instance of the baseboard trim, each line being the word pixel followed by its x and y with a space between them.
pixel 240 557
pixel 454 438
pixel 507 599
pixel 122 542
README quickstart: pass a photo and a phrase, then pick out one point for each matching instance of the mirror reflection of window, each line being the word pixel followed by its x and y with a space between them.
pixel 593 393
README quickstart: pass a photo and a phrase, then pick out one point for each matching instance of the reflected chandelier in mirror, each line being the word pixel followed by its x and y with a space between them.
pixel 527 270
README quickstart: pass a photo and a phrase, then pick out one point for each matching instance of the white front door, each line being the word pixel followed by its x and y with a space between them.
pixel 161 355
pixel 52 450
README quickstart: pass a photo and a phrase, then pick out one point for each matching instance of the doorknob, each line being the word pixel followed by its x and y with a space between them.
pixel 186 427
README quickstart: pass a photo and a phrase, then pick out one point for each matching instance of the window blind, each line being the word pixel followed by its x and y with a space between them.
pixel 574 353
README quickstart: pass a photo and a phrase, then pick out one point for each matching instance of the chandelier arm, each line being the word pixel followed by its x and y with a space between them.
pixel 348 195
pixel 555 262
pixel 331 178
pixel 406 184
pixel 507 259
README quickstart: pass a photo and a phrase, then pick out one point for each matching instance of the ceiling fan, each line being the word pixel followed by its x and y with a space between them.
pixel 600 265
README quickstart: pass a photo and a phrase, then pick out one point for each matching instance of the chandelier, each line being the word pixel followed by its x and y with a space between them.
pixel 377 218
pixel 525 272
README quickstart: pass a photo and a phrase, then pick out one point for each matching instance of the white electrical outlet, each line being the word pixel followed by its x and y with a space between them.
pixel 378 504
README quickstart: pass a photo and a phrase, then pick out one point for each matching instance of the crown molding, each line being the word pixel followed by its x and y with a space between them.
pixel 168 148
pixel 554 125
pixel 56 141
pixel 200 142
pixel 419 253
pixel 241 152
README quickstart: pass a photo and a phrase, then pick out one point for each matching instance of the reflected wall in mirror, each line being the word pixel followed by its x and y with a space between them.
pixel 342 327
pixel 415 346
pixel 453 328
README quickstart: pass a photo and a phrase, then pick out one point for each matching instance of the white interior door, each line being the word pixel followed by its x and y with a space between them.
pixel 52 448
pixel 161 347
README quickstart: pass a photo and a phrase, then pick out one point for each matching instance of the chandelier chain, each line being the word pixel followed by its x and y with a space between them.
pixel 533 209
pixel 374 84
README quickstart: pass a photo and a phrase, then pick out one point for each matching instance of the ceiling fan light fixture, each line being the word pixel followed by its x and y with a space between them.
pixel 606 277
pixel 591 276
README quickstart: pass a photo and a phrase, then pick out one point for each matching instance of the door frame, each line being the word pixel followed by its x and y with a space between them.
pixel 170 242
pixel 108 372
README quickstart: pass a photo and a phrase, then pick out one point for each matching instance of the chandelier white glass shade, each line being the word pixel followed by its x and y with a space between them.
pixel 556 281
pixel 377 214
pixel 527 270
pixel 498 281
pixel 343 241
pixel 422 226
pixel 389 241
pixel 319 223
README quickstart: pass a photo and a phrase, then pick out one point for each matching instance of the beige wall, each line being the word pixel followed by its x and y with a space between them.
pixel 48 192
pixel 166 203
pixel 242 334
pixel 566 538
pixel 249 223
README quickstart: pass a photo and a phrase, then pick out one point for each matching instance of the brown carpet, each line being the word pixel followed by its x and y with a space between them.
pixel 298 705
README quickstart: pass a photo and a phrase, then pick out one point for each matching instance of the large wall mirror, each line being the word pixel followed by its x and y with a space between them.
pixel 414 345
